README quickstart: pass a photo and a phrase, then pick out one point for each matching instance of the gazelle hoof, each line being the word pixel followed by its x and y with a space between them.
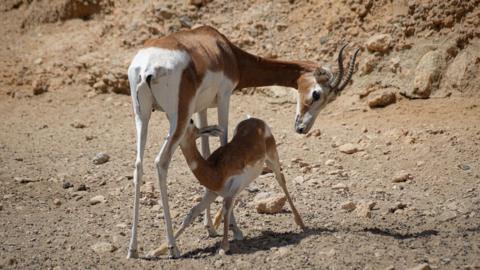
pixel 238 235
pixel 132 254
pixel 174 252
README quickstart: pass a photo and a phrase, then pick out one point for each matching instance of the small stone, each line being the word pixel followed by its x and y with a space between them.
pixel 339 186
pixel 82 187
pixel 427 75
pixel 78 125
pixel 314 133
pixel 100 87
pixel 271 205
pixel 40 86
pixel 166 13
pixel 252 188
pixel 57 202
pixel 401 176
pixel 330 162
pixel 364 209
pixel 101 158
pixel 299 179
pixel 379 43
pixel 423 266
pixel 349 148
pixel 221 252
pixel 464 167
pixel 281 27
pixel 67 185
pixel 219 263
pixel 382 100
pixel 103 247
pixel 38 61
pixel 348 206
pixel 97 199
pixel 24 180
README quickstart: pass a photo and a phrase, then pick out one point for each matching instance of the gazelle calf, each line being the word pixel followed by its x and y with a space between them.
pixel 229 170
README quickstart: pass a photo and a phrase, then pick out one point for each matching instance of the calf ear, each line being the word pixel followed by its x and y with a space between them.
pixel 213 131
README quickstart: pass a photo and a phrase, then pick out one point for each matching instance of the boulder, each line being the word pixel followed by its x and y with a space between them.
pixel 427 75
pixel 379 43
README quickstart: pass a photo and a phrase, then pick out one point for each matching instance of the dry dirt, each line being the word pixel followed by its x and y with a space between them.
pixel 75 63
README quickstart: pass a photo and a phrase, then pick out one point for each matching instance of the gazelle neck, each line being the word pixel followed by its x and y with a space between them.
pixel 258 71
pixel 203 170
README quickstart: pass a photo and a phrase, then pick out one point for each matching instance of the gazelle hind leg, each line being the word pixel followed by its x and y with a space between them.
pixel 141 99
pixel 273 163
pixel 207 199
pixel 227 209
pixel 203 122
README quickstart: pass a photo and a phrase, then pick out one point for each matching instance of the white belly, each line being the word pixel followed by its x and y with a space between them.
pixel 239 182
pixel 213 84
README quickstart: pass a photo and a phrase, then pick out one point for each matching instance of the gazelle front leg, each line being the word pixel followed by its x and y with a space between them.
pixel 207 199
pixel 203 122
pixel 162 161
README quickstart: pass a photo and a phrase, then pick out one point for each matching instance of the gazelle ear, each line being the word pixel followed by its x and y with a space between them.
pixel 213 131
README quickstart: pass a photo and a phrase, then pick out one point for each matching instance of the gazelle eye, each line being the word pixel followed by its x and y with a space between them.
pixel 316 95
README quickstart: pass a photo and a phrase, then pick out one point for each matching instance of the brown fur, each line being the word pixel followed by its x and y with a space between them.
pixel 247 147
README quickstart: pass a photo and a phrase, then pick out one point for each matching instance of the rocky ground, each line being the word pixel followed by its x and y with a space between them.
pixel 388 178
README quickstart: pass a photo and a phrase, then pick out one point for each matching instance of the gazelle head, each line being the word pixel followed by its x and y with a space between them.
pixel 316 89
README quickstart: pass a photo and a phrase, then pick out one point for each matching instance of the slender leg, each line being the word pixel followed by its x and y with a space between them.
pixel 227 209
pixel 223 112
pixel 203 122
pixel 207 199
pixel 162 162
pixel 141 123
pixel 274 164
pixel 223 106
pixel 237 233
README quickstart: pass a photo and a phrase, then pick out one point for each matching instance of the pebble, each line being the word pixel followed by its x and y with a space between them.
pixel 103 247
pixel 314 133
pixel 78 125
pixel 299 179
pixel 97 199
pixel 82 187
pixel 349 206
pixel 271 205
pixel 24 180
pixel 252 188
pixel 330 162
pixel 423 266
pixel 219 263
pixel 401 176
pixel 38 61
pixel 364 209
pixel 40 86
pixel 101 158
pixel 339 186
pixel 67 185
pixel 382 100
pixel 379 43
pixel 349 148
pixel 57 202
